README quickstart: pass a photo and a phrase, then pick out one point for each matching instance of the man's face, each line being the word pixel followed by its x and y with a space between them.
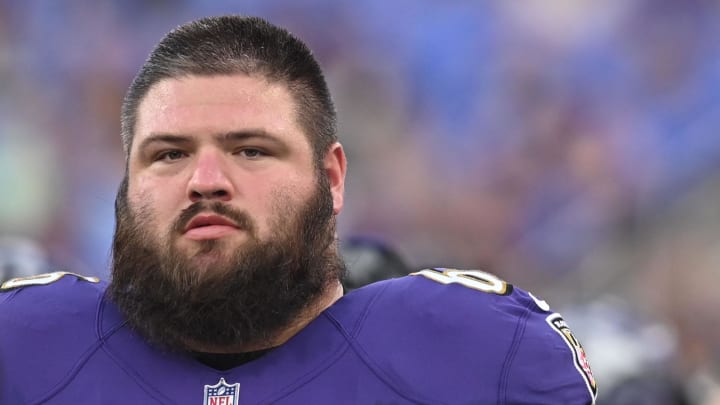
pixel 230 139
pixel 227 219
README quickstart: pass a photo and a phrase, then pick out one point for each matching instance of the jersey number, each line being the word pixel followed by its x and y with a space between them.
pixel 475 279
pixel 42 279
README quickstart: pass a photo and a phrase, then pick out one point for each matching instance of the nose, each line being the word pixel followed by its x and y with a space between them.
pixel 210 179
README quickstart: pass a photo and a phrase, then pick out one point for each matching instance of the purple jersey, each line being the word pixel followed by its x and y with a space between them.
pixel 439 336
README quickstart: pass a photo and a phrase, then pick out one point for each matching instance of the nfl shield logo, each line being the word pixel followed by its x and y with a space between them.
pixel 222 393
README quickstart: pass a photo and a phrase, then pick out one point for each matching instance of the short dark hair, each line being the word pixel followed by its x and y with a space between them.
pixel 236 44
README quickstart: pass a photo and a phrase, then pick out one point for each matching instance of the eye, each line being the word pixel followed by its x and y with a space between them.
pixel 170 155
pixel 251 153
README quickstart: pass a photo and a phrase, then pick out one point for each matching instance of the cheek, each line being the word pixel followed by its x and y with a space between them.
pixel 146 203
pixel 154 221
pixel 153 194
pixel 286 203
pixel 273 197
pixel 142 208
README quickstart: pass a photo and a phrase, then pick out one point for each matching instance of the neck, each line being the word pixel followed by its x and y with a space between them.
pixel 333 293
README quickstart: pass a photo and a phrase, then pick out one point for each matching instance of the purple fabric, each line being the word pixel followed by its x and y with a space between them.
pixel 406 340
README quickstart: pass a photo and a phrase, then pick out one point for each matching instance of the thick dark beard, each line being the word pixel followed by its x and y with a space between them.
pixel 263 290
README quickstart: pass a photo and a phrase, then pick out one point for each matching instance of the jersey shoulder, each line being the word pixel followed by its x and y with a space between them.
pixel 470 303
pixel 439 299
pixel 47 322
pixel 47 303
pixel 49 292
pixel 465 331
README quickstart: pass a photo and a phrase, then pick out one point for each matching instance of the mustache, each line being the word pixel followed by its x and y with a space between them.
pixel 241 218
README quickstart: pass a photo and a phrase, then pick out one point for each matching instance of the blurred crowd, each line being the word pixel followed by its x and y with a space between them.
pixel 565 145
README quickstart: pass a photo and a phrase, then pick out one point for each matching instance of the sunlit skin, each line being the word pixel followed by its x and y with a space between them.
pixel 233 139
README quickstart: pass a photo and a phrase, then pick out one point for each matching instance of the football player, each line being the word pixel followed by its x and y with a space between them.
pixel 225 284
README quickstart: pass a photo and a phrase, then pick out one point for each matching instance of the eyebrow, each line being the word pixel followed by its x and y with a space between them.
pixel 249 134
pixel 227 137
pixel 164 138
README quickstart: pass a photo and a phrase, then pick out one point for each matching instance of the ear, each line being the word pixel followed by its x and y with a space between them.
pixel 335 166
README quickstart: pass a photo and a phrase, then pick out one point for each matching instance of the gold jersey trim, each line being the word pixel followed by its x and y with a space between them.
pixel 43 279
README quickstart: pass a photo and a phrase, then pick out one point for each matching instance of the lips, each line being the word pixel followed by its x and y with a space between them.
pixel 201 221
pixel 204 227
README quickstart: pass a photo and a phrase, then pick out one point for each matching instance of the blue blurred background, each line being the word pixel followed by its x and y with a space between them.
pixel 570 146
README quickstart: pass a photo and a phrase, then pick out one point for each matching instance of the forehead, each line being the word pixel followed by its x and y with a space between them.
pixel 200 105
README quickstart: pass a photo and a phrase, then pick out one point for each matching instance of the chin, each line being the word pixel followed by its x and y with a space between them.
pixel 194 247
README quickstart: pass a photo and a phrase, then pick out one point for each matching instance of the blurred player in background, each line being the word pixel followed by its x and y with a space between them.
pixel 226 270
pixel 369 260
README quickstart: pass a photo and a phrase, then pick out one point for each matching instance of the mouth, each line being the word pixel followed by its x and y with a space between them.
pixel 203 227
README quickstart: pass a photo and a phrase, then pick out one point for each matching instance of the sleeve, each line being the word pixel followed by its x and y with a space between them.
pixel 7 390
pixel 12 352
pixel 46 325
pixel 548 364
pixel 465 336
